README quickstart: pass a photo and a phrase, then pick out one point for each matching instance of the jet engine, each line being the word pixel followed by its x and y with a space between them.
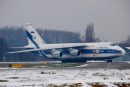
pixel 74 52
pixel 56 53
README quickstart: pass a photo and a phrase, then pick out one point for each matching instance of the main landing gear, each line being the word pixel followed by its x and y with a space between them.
pixel 110 61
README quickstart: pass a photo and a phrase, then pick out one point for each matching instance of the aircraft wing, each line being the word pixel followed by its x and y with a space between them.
pixel 49 48
pixel 22 47
pixel 25 47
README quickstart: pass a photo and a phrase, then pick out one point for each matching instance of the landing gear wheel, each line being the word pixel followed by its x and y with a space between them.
pixel 110 61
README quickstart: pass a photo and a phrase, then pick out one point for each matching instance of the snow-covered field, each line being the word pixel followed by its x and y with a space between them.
pixel 63 77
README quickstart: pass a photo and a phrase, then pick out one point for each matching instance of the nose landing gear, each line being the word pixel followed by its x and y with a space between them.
pixel 110 61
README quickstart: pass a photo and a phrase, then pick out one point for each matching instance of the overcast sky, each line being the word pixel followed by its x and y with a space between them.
pixel 111 18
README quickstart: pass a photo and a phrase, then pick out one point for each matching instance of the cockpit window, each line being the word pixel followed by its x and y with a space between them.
pixel 113 44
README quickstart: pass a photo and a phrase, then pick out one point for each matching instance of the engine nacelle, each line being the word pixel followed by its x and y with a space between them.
pixel 74 52
pixel 56 53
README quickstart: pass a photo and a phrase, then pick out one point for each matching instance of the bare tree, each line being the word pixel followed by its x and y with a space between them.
pixel 89 34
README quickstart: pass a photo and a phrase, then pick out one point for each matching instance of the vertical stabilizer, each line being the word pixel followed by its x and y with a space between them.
pixel 34 38
pixel 32 35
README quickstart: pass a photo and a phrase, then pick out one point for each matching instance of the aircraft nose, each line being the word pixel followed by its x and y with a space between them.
pixel 123 52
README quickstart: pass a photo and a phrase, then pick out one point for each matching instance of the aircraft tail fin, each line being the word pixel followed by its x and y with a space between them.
pixel 32 35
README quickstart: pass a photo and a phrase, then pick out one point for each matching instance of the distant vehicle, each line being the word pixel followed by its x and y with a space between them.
pixel 70 52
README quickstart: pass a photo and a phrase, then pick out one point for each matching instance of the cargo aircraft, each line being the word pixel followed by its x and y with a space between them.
pixel 70 52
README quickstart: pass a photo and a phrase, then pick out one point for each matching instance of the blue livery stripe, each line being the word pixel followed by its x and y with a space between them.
pixel 91 51
pixel 101 51
pixel 36 45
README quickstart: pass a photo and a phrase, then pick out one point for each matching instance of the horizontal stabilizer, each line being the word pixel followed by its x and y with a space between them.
pixel 21 47
pixel 23 51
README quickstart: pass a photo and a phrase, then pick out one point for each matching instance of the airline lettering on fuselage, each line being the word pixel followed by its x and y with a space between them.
pixel 96 52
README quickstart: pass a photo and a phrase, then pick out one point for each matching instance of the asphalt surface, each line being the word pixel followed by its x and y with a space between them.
pixel 105 65
pixel 88 65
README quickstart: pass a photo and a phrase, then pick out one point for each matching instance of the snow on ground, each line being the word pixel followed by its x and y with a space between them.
pixel 65 77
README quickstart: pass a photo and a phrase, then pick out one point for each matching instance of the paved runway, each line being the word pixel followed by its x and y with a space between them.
pixel 114 65
pixel 88 65
pixel 98 65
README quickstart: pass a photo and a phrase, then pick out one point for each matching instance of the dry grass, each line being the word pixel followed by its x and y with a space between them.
pixel 122 84
pixel 66 85
pixel 4 81
pixel 97 84
pixel 13 78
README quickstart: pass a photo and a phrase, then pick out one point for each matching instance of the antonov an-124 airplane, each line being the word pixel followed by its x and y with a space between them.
pixel 70 52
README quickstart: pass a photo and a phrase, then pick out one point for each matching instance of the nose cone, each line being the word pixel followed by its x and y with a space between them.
pixel 123 52
pixel 128 49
